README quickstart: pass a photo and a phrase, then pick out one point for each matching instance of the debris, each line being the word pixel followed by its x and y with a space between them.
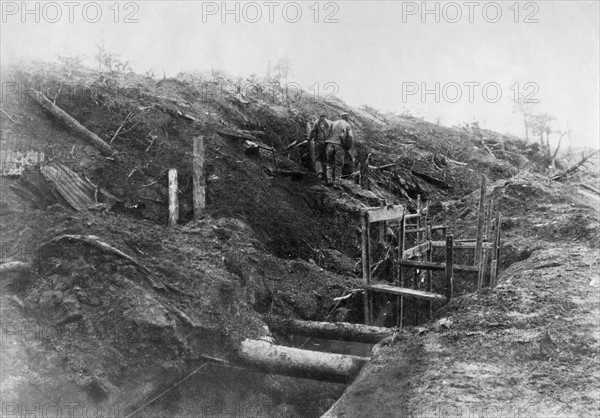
pixel 442 323
pixel 573 169
pixel 14 162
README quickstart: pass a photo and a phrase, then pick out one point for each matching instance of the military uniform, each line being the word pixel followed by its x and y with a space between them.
pixel 337 143
pixel 319 132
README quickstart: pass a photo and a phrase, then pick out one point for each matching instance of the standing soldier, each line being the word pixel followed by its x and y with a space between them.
pixel 340 141
pixel 319 132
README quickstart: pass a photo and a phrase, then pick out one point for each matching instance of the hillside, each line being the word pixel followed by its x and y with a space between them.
pixel 91 327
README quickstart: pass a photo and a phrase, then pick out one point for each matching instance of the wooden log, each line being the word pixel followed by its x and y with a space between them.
pixel 173 198
pixel 344 331
pixel 70 121
pixel 449 267
pixel 288 361
pixel 198 180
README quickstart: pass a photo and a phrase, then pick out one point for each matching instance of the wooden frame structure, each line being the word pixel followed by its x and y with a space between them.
pixel 420 256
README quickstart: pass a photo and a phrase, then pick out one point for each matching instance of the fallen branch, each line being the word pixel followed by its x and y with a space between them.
pixel 8 116
pixel 94 241
pixel 70 121
pixel 574 168
pixel 435 181
pixel 382 167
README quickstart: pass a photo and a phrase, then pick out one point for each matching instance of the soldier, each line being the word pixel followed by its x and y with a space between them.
pixel 340 141
pixel 319 132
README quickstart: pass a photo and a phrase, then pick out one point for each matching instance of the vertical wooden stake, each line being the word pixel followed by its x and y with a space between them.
pixel 495 249
pixel 173 198
pixel 429 259
pixel 480 223
pixel 366 266
pixel 449 278
pixel 488 220
pixel 400 299
pixel 382 224
pixel 199 181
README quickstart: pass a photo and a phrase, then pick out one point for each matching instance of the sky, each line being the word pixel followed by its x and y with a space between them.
pixel 452 62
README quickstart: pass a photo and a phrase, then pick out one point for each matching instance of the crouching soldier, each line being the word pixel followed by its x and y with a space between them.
pixel 316 142
pixel 340 141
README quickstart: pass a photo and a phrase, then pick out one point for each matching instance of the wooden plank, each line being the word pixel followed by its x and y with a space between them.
pixel 366 264
pixel 449 267
pixel 433 228
pixel 413 230
pixel 461 245
pixel 402 291
pixel 199 182
pixel 386 213
pixel 418 250
pixel 424 265
pixel 173 198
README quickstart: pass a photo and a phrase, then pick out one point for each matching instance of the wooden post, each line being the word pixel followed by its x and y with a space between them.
pixel 173 198
pixel 449 278
pixel 366 265
pixel 199 181
pixel 489 217
pixel 495 249
pixel 382 224
pixel 400 299
pixel 429 259
pixel 480 223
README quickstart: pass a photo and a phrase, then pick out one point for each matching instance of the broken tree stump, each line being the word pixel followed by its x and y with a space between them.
pixel 173 198
pixel 288 361
pixel 70 121
pixel 199 180
pixel 344 331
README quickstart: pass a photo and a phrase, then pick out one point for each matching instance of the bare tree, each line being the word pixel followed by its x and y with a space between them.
pixel 526 109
